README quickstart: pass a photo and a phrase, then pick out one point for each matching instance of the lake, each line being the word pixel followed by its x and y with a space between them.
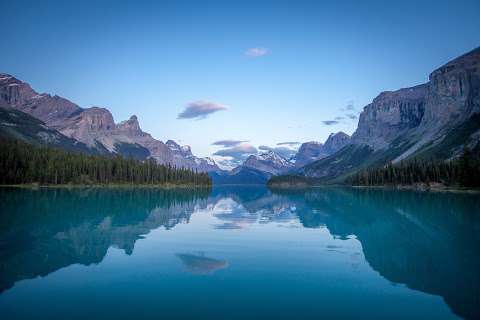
pixel 237 253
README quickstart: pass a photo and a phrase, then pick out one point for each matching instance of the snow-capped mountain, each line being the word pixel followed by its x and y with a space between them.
pixel 269 162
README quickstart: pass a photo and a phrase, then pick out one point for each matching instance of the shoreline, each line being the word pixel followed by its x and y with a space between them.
pixel 419 188
pixel 105 186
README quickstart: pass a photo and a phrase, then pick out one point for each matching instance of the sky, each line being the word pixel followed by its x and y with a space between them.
pixel 230 78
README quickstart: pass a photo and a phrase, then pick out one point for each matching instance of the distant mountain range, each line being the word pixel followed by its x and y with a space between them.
pixel 56 121
pixel 257 169
pixel 437 120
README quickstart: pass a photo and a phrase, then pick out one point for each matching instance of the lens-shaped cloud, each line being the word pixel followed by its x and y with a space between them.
pixel 200 109
pixel 228 143
pixel 330 122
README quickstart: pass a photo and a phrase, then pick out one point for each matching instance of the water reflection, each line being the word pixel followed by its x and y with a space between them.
pixel 199 264
pixel 428 241
pixel 42 230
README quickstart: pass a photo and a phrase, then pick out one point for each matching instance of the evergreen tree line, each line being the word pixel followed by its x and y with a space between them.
pixel 462 172
pixel 22 163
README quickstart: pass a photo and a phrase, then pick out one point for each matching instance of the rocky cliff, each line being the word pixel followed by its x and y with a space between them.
pixel 436 119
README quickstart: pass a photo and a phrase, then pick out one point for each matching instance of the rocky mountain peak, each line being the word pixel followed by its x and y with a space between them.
pixel 131 126
pixel 335 142
pixel 182 151
pixel 13 92
pixel 309 152
pixel 269 162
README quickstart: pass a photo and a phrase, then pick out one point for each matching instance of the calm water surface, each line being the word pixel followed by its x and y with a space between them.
pixel 238 253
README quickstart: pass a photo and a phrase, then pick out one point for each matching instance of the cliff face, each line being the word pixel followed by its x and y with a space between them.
pixel 435 119
pixel 390 115
pixel 423 114
pixel 454 93
pixel 94 127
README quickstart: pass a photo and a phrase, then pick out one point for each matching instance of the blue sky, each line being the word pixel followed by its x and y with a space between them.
pixel 262 72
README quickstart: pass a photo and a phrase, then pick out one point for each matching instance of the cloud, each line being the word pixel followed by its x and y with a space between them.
pixel 339 118
pixel 256 52
pixel 289 143
pixel 200 109
pixel 349 107
pixel 330 122
pixel 240 151
pixel 233 153
pixel 351 116
pixel 228 143
pixel 285 152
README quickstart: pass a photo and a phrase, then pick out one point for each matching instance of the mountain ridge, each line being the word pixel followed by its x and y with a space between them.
pixel 419 120
pixel 94 127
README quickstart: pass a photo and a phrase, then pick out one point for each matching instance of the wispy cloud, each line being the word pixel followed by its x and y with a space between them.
pixel 239 151
pixel 228 143
pixel 349 107
pixel 233 156
pixel 330 122
pixel 289 143
pixel 200 109
pixel 350 111
pixel 256 52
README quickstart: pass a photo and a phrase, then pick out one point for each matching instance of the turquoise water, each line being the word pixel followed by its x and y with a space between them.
pixel 238 253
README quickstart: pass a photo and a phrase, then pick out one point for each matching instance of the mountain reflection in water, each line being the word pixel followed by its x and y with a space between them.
pixel 429 242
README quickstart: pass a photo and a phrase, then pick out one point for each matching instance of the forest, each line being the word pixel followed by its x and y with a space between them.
pixel 463 172
pixel 22 163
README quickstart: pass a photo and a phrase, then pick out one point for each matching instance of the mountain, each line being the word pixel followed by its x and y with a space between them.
pixel 256 169
pixel 183 157
pixel 268 162
pixel 15 124
pixel 312 151
pixel 432 120
pixel 94 127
